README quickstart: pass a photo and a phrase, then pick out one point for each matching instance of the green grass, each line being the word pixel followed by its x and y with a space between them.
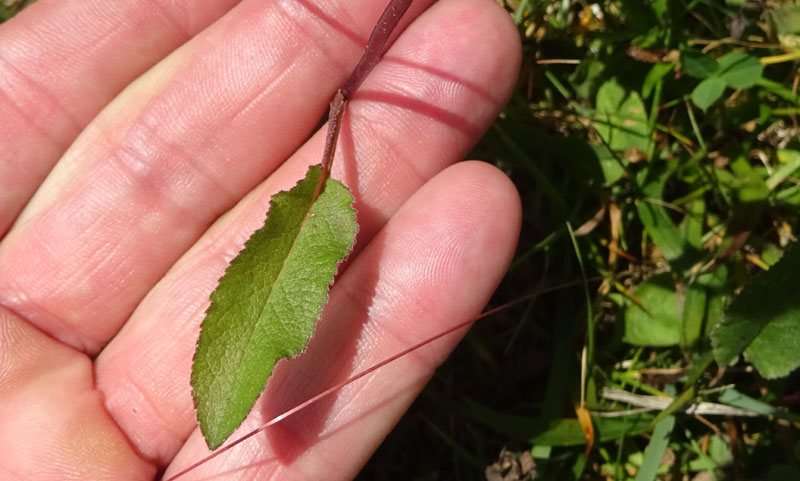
pixel 679 194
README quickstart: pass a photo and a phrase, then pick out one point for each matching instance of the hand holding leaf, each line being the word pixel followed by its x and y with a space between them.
pixel 109 270
pixel 271 296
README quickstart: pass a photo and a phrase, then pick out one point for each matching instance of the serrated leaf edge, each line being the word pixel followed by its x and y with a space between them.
pixel 328 287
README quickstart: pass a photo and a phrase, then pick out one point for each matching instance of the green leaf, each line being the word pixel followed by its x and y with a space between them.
pixel 701 305
pixel 707 92
pixel 790 162
pixel 621 118
pixel 611 165
pixel 659 323
pixel 698 65
pixel 740 70
pixel 734 398
pixel 786 22
pixel 655 450
pixel 655 75
pixel 268 301
pixel 717 456
pixel 586 77
pixel 786 19
pixel 764 321
pixel 657 222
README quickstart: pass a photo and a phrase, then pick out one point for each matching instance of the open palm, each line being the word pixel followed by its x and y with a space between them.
pixel 155 180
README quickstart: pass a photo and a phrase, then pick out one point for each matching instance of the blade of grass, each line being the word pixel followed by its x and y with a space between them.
pixel 628 378
pixel 589 364
pixel 779 90
pixel 792 163
pixel 564 91
pixel 654 452
pixel 520 11
pixel 734 398
pixel 653 119
pixel 695 127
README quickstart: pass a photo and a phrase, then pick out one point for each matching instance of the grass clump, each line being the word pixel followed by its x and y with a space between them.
pixel 662 138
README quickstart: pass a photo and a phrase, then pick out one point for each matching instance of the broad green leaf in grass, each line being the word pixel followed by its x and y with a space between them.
pixel 786 22
pixel 611 164
pixel 717 455
pixel 698 65
pixel 702 301
pixel 659 322
pixel 586 77
pixel 786 19
pixel 621 118
pixel 740 70
pixel 692 227
pixel 707 92
pixel 268 301
pixel 763 321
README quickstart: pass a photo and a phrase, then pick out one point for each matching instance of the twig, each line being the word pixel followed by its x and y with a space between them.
pixel 659 403
pixel 558 61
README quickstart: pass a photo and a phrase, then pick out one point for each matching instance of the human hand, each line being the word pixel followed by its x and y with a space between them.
pixel 106 274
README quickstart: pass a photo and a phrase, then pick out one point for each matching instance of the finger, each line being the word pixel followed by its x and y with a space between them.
pixel 387 151
pixel 434 264
pixel 52 422
pixel 177 149
pixel 62 61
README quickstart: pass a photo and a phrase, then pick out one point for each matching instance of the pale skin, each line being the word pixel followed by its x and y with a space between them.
pixel 106 271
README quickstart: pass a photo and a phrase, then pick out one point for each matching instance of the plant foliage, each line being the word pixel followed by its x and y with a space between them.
pixel 668 133
pixel 763 321
pixel 268 301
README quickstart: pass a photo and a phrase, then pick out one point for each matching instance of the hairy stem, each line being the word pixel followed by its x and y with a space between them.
pixel 372 54
pixel 377 40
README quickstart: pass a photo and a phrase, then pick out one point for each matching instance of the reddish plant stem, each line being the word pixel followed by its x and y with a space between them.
pixel 377 40
pixel 336 112
pixel 372 54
